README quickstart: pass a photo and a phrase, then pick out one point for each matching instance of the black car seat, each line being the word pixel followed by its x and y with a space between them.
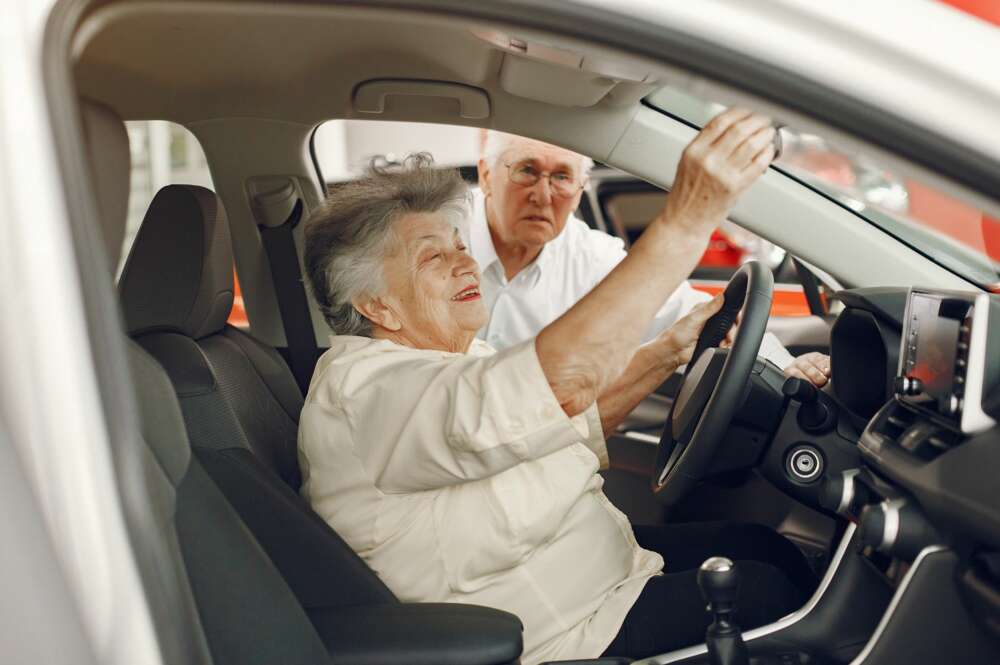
pixel 239 399
pixel 240 405
pixel 176 293
pixel 162 460
pixel 200 615
pixel 215 595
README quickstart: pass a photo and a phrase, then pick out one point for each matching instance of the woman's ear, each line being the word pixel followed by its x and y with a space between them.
pixel 378 312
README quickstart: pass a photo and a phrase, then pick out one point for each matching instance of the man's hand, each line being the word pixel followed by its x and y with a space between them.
pixel 726 157
pixel 813 367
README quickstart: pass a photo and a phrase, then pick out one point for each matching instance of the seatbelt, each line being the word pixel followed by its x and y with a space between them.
pixel 279 244
pixel 811 288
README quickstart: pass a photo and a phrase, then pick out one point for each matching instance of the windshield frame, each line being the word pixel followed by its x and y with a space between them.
pixel 936 247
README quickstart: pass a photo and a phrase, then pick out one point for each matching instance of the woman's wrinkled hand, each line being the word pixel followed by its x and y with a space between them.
pixel 721 163
pixel 681 338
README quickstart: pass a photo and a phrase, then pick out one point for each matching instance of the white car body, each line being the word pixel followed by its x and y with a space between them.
pixel 49 388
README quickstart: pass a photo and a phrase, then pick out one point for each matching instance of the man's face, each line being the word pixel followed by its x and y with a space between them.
pixel 530 215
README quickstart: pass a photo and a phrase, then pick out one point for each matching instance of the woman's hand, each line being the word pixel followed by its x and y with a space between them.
pixel 679 340
pixel 726 157
pixel 583 352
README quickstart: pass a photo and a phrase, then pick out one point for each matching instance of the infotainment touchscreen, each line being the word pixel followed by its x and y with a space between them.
pixel 935 351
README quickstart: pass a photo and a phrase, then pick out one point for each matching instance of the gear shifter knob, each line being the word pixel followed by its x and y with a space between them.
pixel 720 584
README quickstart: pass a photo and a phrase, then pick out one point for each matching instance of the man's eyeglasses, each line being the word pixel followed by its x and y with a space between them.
pixel 563 183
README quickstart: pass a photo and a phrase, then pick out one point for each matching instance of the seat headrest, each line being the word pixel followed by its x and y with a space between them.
pixel 179 274
pixel 110 166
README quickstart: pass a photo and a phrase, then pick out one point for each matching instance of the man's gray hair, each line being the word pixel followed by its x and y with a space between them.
pixel 348 237
pixel 497 143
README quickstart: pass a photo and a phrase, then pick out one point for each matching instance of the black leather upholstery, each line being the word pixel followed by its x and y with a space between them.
pixel 239 607
pixel 182 256
pixel 321 569
pixel 233 395
pixel 176 292
pixel 267 572
pixel 427 634
pixel 250 615
pixel 166 456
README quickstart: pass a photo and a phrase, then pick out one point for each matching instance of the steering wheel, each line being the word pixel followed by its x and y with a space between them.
pixel 714 385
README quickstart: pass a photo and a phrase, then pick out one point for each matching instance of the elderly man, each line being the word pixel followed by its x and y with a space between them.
pixel 462 474
pixel 538 259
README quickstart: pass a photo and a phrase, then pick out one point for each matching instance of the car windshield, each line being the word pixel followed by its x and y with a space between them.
pixel 952 233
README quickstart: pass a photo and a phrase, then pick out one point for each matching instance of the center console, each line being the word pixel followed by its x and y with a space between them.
pixel 915 578
pixel 841 614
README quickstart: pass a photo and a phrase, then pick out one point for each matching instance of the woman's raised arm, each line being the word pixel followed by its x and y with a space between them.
pixel 585 350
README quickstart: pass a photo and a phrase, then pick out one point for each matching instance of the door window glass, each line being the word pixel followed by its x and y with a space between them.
pixel 614 202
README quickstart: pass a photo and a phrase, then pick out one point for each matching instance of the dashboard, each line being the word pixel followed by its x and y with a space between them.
pixel 918 372
pixel 943 357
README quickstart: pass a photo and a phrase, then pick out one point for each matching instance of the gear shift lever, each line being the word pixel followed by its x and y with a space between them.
pixel 719 583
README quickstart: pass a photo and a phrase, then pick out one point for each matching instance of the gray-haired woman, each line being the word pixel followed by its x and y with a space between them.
pixel 462 474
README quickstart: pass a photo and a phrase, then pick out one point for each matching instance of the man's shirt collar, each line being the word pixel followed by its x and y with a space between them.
pixel 484 252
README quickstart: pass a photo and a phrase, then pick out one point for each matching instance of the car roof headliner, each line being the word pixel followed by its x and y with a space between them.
pixel 194 62
pixel 190 63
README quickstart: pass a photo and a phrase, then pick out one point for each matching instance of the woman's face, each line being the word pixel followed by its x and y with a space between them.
pixel 432 286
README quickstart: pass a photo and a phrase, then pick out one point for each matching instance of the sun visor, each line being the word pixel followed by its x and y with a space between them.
pixel 553 84
pixel 554 74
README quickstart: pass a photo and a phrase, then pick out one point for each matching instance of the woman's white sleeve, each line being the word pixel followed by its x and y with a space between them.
pixel 425 423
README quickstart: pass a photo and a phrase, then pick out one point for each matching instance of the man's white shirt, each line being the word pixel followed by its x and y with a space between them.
pixel 567 268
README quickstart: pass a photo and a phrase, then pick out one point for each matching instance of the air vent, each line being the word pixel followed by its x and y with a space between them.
pixel 896 422
pixel 917 434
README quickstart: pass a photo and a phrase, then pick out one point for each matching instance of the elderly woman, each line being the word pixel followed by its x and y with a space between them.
pixel 462 474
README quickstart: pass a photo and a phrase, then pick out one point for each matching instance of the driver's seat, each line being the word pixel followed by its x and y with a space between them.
pixel 286 589
pixel 240 407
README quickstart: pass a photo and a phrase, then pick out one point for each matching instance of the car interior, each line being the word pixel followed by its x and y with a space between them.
pixel 882 478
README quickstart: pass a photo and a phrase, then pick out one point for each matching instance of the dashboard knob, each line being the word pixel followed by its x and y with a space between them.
pixel 908 385
pixel 873 529
pixel 840 494
pixel 896 527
